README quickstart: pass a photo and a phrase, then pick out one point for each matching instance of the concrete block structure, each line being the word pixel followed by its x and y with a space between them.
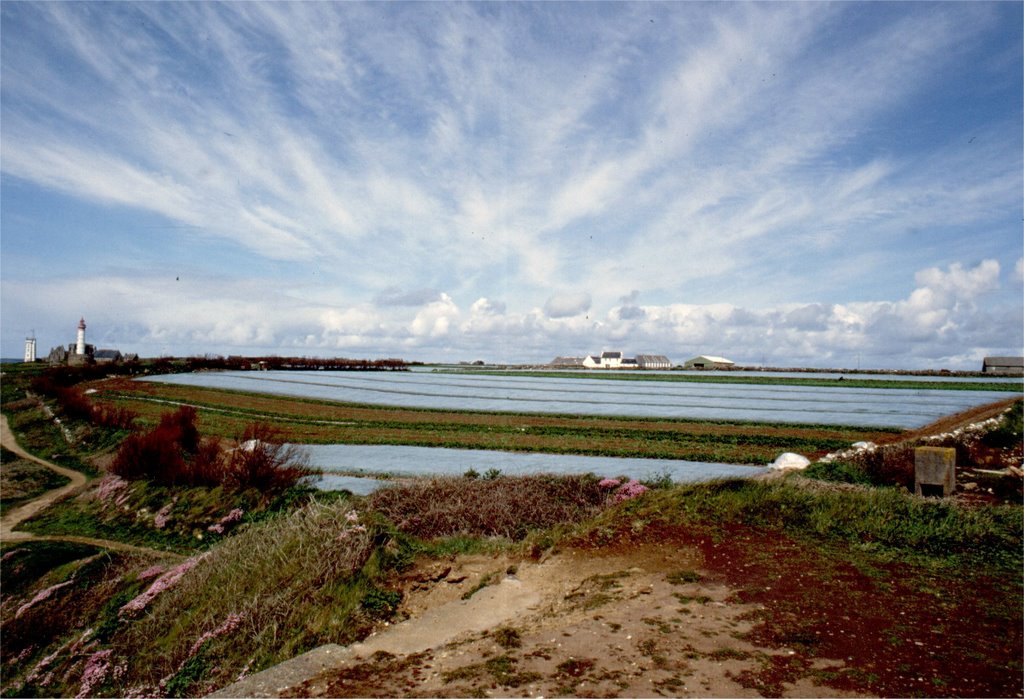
pixel 934 468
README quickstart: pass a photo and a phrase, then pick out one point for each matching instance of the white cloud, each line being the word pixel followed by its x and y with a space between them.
pixel 942 322
pixel 436 319
pixel 743 175
pixel 567 304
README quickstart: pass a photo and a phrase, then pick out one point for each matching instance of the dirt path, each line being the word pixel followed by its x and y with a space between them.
pixel 28 510
pixel 587 623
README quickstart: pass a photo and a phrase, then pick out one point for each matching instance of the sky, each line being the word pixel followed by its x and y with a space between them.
pixel 785 184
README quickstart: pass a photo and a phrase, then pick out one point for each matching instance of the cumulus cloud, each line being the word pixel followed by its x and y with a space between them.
pixel 943 321
pixel 436 319
pixel 567 304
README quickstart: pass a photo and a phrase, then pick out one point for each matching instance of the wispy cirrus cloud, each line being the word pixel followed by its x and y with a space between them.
pixel 422 172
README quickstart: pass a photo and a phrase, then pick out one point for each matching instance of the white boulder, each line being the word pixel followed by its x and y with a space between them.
pixel 789 460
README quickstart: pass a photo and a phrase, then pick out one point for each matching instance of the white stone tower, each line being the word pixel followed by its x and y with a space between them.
pixel 80 350
pixel 30 348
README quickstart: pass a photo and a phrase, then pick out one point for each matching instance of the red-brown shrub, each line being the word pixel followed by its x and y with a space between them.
pixel 173 453
pixel 74 403
pixel 261 461
pixel 170 454
pixel 116 418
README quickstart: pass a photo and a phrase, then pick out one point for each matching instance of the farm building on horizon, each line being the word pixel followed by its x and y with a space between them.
pixel 1013 366
pixel 612 360
pixel 707 361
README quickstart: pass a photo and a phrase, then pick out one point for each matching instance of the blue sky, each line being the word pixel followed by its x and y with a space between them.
pixel 819 184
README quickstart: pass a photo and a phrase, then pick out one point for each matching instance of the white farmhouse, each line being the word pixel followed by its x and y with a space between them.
pixel 607 360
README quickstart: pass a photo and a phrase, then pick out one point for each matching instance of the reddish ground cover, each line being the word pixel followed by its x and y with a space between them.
pixel 900 629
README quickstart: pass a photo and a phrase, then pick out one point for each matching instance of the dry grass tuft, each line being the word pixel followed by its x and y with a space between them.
pixel 506 506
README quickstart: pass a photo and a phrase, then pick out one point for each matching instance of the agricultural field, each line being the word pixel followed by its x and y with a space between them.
pixel 316 421
pixel 875 403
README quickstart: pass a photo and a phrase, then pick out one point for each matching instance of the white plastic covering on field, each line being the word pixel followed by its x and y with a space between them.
pixel 789 460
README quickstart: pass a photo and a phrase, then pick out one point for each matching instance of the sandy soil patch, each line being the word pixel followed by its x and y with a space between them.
pixel 641 622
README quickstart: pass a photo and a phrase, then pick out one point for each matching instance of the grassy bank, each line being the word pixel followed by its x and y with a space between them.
pixel 888 522
pixel 322 573
pixel 22 480
pixel 268 579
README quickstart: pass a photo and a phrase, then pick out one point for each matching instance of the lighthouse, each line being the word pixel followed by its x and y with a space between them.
pixel 30 348
pixel 80 349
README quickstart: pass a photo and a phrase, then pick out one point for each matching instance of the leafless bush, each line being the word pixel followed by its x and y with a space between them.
pixel 504 506
pixel 261 461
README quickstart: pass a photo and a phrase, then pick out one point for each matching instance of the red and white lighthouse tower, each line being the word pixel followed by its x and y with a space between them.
pixel 80 349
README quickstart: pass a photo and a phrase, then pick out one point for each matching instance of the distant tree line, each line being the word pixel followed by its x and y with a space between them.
pixel 208 362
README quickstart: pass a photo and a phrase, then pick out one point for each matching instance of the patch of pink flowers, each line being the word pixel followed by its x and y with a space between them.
pixel 352 517
pixel 162 517
pixel 226 521
pixel 33 677
pixel 96 669
pixel 245 670
pixel 151 572
pixel 109 486
pixel 164 582
pixel 229 625
pixel 40 596
pixel 629 490
pixel 623 490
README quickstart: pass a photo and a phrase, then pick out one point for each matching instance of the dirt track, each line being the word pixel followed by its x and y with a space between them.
pixel 635 622
pixel 28 510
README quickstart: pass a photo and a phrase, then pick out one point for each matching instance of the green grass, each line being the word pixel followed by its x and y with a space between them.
pixel 22 480
pixel 887 521
pixel 175 519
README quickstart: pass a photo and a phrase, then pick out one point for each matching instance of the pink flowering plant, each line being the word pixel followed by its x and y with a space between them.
pixel 161 518
pixel 621 490
pixel 352 526
pixel 41 596
pixel 97 668
pixel 227 521
pixel 166 581
pixel 231 623
pixel 629 490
